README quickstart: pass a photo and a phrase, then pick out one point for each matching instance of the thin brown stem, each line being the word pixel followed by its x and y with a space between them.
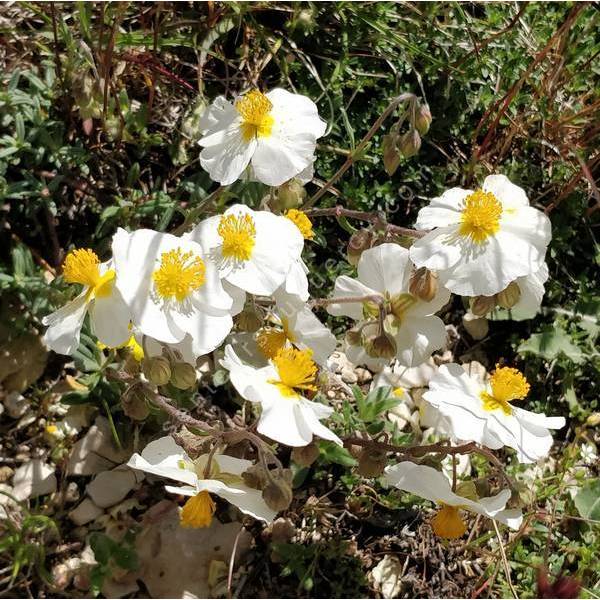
pixel 372 217
pixel 407 97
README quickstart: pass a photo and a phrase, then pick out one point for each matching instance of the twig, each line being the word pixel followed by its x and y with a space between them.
pixel 232 561
pixel 362 145
pixel 372 217
pixel 504 560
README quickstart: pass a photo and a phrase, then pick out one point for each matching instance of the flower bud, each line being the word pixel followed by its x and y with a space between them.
pixel 477 327
pixel 423 119
pixel 305 455
pixel 134 402
pixel 353 336
pixel 391 154
pixel 249 319
pixel 510 296
pixel 255 477
pixel 290 195
pixel 183 375
pixel 482 305
pixel 371 461
pixel 410 143
pixel 400 303
pixel 593 420
pixel 157 370
pixel 380 346
pixel 360 241
pixel 278 495
pixel 423 284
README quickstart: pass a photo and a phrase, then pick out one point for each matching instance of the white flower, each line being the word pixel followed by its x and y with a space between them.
pixel 482 413
pixel 253 250
pixel 532 294
pixel 287 416
pixel 384 271
pixel 172 288
pixel 299 328
pixel 276 133
pixel 432 485
pixel 163 457
pixel 482 240
pixel 101 298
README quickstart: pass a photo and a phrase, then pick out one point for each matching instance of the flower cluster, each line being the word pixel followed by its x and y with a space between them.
pixel 236 283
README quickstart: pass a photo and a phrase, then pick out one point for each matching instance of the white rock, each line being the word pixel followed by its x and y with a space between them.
pixel 6 502
pixel 87 511
pixel 349 376
pixel 16 405
pixel 110 487
pixel 96 451
pixel 34 478
pixel 387 576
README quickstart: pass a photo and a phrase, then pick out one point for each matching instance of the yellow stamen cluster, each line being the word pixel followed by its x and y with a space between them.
pixel 179 274
pixel 271 339
pixel 480 216
pixel 239 236
pixel 447 522
pixel 507 384
pixel 83 266
pixel 255 109
pixel 296 371
pixel 198 511
pixel 302 222
pixel 398 392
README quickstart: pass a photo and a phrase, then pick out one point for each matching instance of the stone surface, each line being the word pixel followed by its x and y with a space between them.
pixel 387 576
pixel 34 478
pixel 86 512
pixel 175 562
pixel 110 487
pixel 96 451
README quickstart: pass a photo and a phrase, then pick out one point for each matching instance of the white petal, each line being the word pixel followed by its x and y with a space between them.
pixel 282 420
pixel 309 332
pixel 311 418
pixel 437 250
pixel 443 211
pixel 346 287
pixel 164 457
pixel 237 295
pixel 385 268
pixel 417 338
pixel 109 318
pixel 207 332
pixel 219 112
pixel 64 325
pixel 251 503
pixel 509 194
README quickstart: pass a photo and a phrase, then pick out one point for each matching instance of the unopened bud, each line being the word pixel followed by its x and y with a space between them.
pixel 183 375
pixel 353 337
pixel 410 143
pixel 477 327
pixel 290 195
pixel 482 305
pixel 255 477
pixel 157 370
pixel 400 303
pixel 249 320
pixel 423 119
pixel 380 346
pixel 305 455
pixel 360 241
pixel 423 284
pixel 134 402
pixel 593 420
pixel 371 461
pixel 391 154
pixel 278 495
pixel 508 297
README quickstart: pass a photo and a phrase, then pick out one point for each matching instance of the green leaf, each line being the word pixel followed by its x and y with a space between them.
pixel 551 344
pixel 376 403
pixel 587 500
pixel 332 453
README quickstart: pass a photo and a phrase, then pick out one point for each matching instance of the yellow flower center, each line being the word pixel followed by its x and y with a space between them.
pixel 255 109
pixel 270 340
pixel 198 511
pixel 296 371
pixel 239 236
pixel 398 392
pixel 179 274
pixel 83 266
pixel 480 216
pixel 507 384
pixel 302 222
pixel 448 523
